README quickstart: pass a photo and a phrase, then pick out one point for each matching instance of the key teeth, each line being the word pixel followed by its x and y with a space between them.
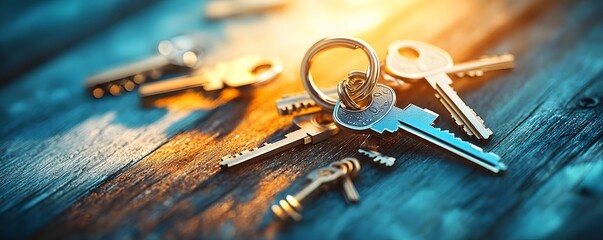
pixel 451 134
pixel 459 121
pixel 481 121
pixel 378 157
pixel 295 107
pixel 244 152
pixel 465 142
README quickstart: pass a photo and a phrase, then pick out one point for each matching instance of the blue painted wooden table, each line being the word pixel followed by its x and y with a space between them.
pixel 77 167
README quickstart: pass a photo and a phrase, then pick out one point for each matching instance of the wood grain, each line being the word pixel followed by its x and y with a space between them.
pixel 154 173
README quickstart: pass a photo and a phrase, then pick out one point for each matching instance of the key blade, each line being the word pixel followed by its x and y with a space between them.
pixel 412 125
pixel 297 102
pixel 477 67
pixel 125 77
pixel 171 86
pixel 463 115
pixel 129 70
pixel 314 128
pixel 299 137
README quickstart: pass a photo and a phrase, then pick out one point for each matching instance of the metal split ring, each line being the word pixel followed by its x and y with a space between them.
pixel 350 92
pixel 354 93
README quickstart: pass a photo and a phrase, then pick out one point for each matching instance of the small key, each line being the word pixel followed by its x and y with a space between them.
pixel 382 118
pixel 296 102
pixel 250 70
pixel 351 168
pixel 474 68
pixel 314 128
pixel 181 52
pixel 320 178
pixel 431 63
pixel 370 147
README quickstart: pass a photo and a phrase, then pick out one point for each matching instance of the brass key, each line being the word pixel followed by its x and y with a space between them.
pixel 250 70
pixel 320 178
pixel 351 168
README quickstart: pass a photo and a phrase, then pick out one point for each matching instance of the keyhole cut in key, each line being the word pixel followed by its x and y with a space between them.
pixel 260 69
pixel 408 53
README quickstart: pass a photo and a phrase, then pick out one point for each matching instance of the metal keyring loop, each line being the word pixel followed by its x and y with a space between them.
pixel 372 71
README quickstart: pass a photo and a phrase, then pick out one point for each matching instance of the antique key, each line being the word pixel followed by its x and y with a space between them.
pixel 296 102
pixel 431 63
pixel 381 118
pixel 351 168
pixel 241 72
pixel 320 178
pixel 314 128
pixel 474 68
pixel 181 52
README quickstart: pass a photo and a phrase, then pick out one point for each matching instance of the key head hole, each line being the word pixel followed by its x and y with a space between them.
pixel 262 68
pixel 408 53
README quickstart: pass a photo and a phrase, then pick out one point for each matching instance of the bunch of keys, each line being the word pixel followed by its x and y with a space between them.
pixel 380 117
pixel 296 102
pixel 179 53
pixel 340 171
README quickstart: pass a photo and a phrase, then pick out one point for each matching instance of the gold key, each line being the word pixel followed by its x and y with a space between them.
pixel 250 70
pixel 351 168
pixel 320 178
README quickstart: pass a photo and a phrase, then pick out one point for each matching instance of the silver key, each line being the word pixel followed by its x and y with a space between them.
pixel 314 128
pixel 382 118
pixel 298 102
pixel 241 72
pixel 474 68
pixel 351 168
pixel 181 52
pixel 320 178
pixel 432 63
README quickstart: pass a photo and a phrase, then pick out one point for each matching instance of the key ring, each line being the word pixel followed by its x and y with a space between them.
pixel 372 72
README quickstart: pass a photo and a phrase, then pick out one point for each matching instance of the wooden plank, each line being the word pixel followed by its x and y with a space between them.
pixel 567 199
pixel 179 192
pixel 57 143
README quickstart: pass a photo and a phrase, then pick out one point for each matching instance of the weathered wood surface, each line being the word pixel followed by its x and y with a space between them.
pixel 73 167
